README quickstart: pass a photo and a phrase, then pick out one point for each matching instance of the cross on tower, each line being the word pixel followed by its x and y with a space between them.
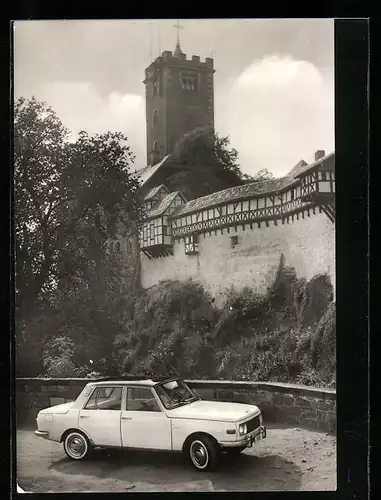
pixel 178 28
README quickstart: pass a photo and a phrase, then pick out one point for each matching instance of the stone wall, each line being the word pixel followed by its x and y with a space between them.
pixel 288 404
pixel 34 394
pixel 307 244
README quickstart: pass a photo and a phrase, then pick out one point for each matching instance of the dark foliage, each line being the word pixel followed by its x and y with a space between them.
pixel 206 164
pixel 76 204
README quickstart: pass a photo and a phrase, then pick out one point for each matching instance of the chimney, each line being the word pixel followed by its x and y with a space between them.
pixel 320 153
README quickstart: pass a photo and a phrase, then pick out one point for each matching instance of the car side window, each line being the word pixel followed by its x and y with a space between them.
pixel 105 398
pixel 141 399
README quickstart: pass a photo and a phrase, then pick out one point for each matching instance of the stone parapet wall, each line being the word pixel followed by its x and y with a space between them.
pixel 34 394
pixel 288 404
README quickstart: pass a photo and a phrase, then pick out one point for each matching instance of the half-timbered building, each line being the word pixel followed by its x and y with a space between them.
pixel 206 237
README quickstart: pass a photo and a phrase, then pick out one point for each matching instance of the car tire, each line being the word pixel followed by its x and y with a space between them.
pixel 76 445
pixel 203 453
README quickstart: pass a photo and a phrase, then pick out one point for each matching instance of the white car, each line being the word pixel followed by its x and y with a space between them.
pixel 151 415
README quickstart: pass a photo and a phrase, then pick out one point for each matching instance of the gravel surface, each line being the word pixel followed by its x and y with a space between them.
pixel 288 459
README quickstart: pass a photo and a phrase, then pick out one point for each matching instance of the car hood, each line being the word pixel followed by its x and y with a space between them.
pixel 214 410
pixel 63 408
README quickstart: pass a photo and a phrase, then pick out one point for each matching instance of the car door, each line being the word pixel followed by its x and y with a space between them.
pixel 100 418
pixel 144 424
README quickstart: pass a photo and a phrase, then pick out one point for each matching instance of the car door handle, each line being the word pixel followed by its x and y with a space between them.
pixel 126 418
pixel 84 416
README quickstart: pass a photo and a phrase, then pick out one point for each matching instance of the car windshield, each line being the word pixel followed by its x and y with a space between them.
pixel 175 393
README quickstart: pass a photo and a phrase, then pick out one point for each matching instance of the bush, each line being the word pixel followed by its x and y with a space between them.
pixel 58 359
pixel 269 356
pixel 286 335
pixel 170 328
pixel 323 344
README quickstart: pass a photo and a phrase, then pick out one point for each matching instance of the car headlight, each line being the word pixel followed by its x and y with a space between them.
pixel 242 430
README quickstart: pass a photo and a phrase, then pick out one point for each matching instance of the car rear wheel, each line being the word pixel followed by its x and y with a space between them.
pixel 76 445
pixel 203 453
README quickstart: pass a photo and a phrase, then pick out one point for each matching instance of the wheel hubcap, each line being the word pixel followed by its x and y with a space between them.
pixel 76 446
pixel 199 454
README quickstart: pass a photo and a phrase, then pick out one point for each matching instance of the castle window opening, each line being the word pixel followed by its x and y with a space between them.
pixel 191 244
pixel 155 117
pixel 234 241
pixel 292 195
pixel 189 81
pixel 154 88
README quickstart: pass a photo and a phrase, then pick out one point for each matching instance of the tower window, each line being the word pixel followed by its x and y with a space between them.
pixel 154 88
pixel 155 146
pixel 189 81
pixel 234 241
pixel 155 117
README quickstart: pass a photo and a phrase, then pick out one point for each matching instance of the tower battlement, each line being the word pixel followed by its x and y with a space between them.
pixel 169 57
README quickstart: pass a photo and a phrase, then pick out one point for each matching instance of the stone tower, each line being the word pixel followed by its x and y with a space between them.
pixel 179 98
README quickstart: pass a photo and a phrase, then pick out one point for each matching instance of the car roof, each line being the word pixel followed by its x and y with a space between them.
pixel 148 383
pixel 131 381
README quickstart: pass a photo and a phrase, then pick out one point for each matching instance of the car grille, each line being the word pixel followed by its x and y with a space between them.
pixel 253 424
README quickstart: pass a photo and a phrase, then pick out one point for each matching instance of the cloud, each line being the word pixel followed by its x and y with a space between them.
pixel 80 106
pixel 277 111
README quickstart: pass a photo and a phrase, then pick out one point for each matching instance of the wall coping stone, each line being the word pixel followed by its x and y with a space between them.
pixel 305 390
pixel 55 381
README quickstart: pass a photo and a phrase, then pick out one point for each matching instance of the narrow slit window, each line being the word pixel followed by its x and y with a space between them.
pixel 234 241
pixel 155 117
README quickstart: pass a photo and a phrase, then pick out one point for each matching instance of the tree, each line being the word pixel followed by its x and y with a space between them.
pixel 206 164
pixel 262 175
pixel 69 199
pixel 76 204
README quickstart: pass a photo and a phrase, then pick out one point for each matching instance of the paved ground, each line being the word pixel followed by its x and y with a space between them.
pixel 288 459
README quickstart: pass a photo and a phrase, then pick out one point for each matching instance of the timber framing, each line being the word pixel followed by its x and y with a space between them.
pixel 276 201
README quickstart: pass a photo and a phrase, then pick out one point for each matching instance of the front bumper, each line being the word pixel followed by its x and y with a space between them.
pixel 246 441
pixel 42 434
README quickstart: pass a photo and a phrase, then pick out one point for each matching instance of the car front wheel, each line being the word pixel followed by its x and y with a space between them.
pixel 203 453
pixel 76 445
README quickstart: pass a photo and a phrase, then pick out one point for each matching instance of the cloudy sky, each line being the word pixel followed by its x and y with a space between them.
pixel 274 80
